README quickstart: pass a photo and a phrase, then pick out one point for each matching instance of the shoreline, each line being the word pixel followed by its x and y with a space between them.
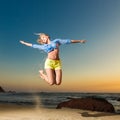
pixel 18 112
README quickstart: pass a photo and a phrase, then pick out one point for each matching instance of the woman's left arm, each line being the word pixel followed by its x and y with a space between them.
pixel 78 41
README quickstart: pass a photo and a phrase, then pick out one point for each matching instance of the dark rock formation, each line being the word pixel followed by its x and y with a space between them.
pixel 91 103
pixel 1 90
pixel 118 99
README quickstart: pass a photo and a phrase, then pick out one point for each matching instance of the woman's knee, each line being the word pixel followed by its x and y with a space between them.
pixel 54 83
pixel 51 82
pixel 58 82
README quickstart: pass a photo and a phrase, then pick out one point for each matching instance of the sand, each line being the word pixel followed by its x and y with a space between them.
pixel 16 112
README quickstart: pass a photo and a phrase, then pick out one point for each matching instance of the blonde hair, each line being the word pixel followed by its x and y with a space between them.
pixel 40 41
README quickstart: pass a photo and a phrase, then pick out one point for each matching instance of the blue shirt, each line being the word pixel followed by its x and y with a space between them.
pixel 53 45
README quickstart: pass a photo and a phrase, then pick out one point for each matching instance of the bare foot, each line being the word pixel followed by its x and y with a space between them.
pixel 41 71
pixel 44 77
pixel 41 74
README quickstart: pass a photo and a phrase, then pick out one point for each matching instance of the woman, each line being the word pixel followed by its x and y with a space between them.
pixel 52 64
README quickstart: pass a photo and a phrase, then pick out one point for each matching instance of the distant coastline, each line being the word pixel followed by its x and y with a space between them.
pixel 2 90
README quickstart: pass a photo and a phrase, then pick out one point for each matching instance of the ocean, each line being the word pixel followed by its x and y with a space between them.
pixel 52 99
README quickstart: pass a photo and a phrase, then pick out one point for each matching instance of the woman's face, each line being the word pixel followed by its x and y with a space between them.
pixel 44 38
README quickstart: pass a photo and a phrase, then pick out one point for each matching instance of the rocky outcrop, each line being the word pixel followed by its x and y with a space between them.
pixel 94 104
pixel 1 90
pixel 118 99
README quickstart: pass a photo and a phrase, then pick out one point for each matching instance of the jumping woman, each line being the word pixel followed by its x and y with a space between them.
pixel 53 66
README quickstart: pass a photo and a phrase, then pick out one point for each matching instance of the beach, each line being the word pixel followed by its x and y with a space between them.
pixel 17 112
pixel 42 106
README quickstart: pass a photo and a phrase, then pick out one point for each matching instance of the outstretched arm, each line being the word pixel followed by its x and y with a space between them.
pixel 78 41
pixel 25 43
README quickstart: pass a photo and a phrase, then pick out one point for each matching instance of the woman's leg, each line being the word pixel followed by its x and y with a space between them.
pixel 49 77
pixel 58 74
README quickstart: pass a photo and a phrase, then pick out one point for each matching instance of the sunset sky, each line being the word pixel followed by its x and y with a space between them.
pixel 90 67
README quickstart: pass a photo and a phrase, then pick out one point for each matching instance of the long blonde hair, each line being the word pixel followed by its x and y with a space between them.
pixel 39 40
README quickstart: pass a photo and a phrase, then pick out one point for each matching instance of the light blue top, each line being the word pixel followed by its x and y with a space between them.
pixel 53 45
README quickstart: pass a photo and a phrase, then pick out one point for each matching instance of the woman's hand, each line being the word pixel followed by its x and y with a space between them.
pixel 83 41
pixel 22 42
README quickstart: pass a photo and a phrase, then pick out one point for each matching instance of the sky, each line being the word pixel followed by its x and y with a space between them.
pixel 90 67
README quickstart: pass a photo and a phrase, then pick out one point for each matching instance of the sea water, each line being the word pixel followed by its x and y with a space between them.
pixel 52 99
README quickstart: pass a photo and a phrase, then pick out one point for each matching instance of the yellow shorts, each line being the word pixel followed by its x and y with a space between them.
pixel 53 64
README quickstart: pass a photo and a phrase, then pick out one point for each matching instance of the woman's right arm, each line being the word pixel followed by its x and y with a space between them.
pixel 25 43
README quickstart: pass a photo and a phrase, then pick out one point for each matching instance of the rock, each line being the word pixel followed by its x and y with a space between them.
pixel 94 104
pixel 2 90
pixel 118 99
